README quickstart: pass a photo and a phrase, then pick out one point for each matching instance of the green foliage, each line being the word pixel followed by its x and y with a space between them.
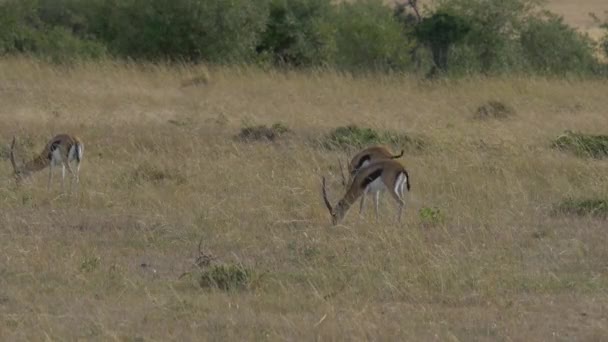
pixel 587 145
pixel 368 36
pixel 440 31
pixel 217 31
pixel 584 207
pixel 552 47
pixel 294 33
pixel 354 137
pixel 226 277
pixel 491 45
pixel 431 216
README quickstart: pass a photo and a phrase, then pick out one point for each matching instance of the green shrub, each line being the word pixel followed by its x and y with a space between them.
pixel 552 47
pixel 594 146
pixel 294 34
pixel 355 137
pixel 440 32
pixel 583 207
pixel 226 277
pixel 369 37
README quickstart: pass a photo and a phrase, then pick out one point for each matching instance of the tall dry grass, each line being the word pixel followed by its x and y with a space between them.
pixel 162 170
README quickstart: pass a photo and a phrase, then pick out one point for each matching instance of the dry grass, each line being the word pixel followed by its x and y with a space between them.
pixel 162 170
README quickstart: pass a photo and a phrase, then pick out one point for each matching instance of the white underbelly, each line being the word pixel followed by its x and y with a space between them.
pixel 376 185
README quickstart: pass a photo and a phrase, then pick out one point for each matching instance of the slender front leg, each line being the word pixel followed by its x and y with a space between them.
pixel 362 204
pixel 63 178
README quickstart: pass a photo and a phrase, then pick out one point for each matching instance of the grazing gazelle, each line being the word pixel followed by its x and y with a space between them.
pixel 362 159
pixel 388 173
pixel 61 150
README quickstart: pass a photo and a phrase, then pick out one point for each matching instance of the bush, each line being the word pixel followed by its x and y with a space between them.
pixel 194 30
pixel 226 277
pixel 595 146
pixel 354 137
pixel 294 34
pixel 368 36
pixel 584 207
pixel 431 216
pixel 552 47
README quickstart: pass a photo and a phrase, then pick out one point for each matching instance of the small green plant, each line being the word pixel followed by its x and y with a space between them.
pixel 493 110
pixel 263 132
pixel 430 216
pixel 594 146
pixel 583 207
pixel 352 136
pixel 90 263
pixel 226 277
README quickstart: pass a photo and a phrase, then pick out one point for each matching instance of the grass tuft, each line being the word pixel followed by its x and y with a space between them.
pixel 354 137
pixel 226 277
pixel 585 145
pixel 263 132
pixel 493 110
pixel 594 207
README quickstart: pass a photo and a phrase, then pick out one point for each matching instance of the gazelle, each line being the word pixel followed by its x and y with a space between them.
pixel 362 159
pixel 376 176
pixel 61 150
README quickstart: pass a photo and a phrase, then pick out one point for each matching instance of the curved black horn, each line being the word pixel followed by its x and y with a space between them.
pixel 324 191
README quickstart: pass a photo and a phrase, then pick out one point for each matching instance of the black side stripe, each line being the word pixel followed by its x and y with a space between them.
pixel 360 163
pixel 370 178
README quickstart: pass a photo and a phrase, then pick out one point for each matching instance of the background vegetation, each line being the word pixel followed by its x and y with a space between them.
pixel 471 36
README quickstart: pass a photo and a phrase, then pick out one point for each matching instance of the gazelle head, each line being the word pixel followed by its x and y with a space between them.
pixel 20 173
pixel 337 213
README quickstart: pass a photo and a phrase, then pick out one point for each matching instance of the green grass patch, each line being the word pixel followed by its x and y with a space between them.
pixel 354 137
pixel 583 207
pixel 226 277
pixel 586 145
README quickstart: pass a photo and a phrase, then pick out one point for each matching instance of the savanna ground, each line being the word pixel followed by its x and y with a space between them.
pixel 162 170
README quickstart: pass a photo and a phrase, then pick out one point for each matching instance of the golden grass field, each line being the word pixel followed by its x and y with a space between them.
pixel 162 170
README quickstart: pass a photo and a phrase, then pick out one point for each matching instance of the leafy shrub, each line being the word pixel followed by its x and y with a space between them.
pixel 263 132
pixel 494 110
pixel 595 146
pixel 294 33
pixel 354 137
pixel 368 36
pixel 217 31
pixel 491 44
pixel 226 277
pixel 583 207
pixel 552 47
pixel 440 32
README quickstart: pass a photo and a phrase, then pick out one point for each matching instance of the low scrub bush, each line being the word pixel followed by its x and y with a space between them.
pixel 583 207
pixel 431 216
pixel 351 137
pixel 587 145
pixel 226 277
pixel 147 172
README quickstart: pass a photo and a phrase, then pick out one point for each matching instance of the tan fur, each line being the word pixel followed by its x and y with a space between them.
pixel 390 171
pixel 372 154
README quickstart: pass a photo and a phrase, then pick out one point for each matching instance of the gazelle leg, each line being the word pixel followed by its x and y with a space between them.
pixel 397 194
pixel 362 204
pixel 63 177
